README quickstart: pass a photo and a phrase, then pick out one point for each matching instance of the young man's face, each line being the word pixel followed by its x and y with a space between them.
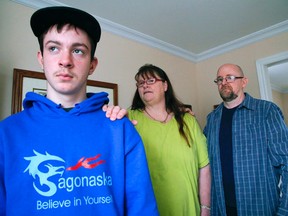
pixel 66 62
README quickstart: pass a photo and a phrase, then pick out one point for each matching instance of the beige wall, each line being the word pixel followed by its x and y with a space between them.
pixel 119 59
pixel 246 57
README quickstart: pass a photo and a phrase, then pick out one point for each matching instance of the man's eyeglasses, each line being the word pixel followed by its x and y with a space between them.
pixel 228 79
pixel 149 81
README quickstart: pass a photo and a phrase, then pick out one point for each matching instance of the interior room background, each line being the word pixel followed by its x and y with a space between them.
pixel 119 58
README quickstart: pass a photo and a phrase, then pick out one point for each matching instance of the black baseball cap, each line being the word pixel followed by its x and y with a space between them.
pixel 44 18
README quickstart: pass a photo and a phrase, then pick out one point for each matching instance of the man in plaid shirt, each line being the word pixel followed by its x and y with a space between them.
pixel 248 150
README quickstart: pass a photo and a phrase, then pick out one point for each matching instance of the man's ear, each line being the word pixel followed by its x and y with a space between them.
pixel 244 82
pixel 93 65
pixel 40 59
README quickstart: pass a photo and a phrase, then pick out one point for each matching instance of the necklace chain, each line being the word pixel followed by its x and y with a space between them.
pixel 164 121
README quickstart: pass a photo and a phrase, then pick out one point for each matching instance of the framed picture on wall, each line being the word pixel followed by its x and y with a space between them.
pixel 26 81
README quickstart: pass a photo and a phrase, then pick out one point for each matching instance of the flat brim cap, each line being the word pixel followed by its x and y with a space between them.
pixel 44 18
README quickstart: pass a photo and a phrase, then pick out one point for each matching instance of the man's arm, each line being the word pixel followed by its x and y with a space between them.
pixel 278 147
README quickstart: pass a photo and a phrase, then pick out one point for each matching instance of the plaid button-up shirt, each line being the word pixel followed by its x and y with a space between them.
pixel 260 158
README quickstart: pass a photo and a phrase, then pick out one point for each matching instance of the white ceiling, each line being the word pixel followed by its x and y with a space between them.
pixel 193 25
pixel 193 29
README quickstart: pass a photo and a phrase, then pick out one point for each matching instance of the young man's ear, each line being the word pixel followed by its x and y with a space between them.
pixel 93 65
pixel 40 59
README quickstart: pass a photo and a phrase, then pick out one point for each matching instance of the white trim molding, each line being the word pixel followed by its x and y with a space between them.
pixel 263 75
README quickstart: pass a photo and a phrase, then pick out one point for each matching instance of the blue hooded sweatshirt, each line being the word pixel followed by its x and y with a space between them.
pixel 54 162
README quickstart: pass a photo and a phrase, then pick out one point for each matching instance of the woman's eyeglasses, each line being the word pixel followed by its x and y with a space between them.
pixel 149 81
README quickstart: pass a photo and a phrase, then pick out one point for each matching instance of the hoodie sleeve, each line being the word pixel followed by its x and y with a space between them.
pixel 2 188
pixel 139 195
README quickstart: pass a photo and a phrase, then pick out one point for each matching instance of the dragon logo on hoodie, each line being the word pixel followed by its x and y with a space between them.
pixel 34 171
pixel 41 170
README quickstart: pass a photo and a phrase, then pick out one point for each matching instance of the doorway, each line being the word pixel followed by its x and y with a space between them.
pixel 270 71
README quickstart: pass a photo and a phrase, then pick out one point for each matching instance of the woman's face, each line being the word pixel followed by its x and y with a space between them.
pixel 151 89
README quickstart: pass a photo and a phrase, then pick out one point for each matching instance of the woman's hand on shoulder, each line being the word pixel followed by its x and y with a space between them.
pixel 114 112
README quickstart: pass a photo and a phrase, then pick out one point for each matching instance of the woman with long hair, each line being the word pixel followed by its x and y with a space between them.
pixel 175 146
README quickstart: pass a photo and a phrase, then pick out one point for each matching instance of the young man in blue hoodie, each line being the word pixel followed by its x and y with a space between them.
pixel 61 155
